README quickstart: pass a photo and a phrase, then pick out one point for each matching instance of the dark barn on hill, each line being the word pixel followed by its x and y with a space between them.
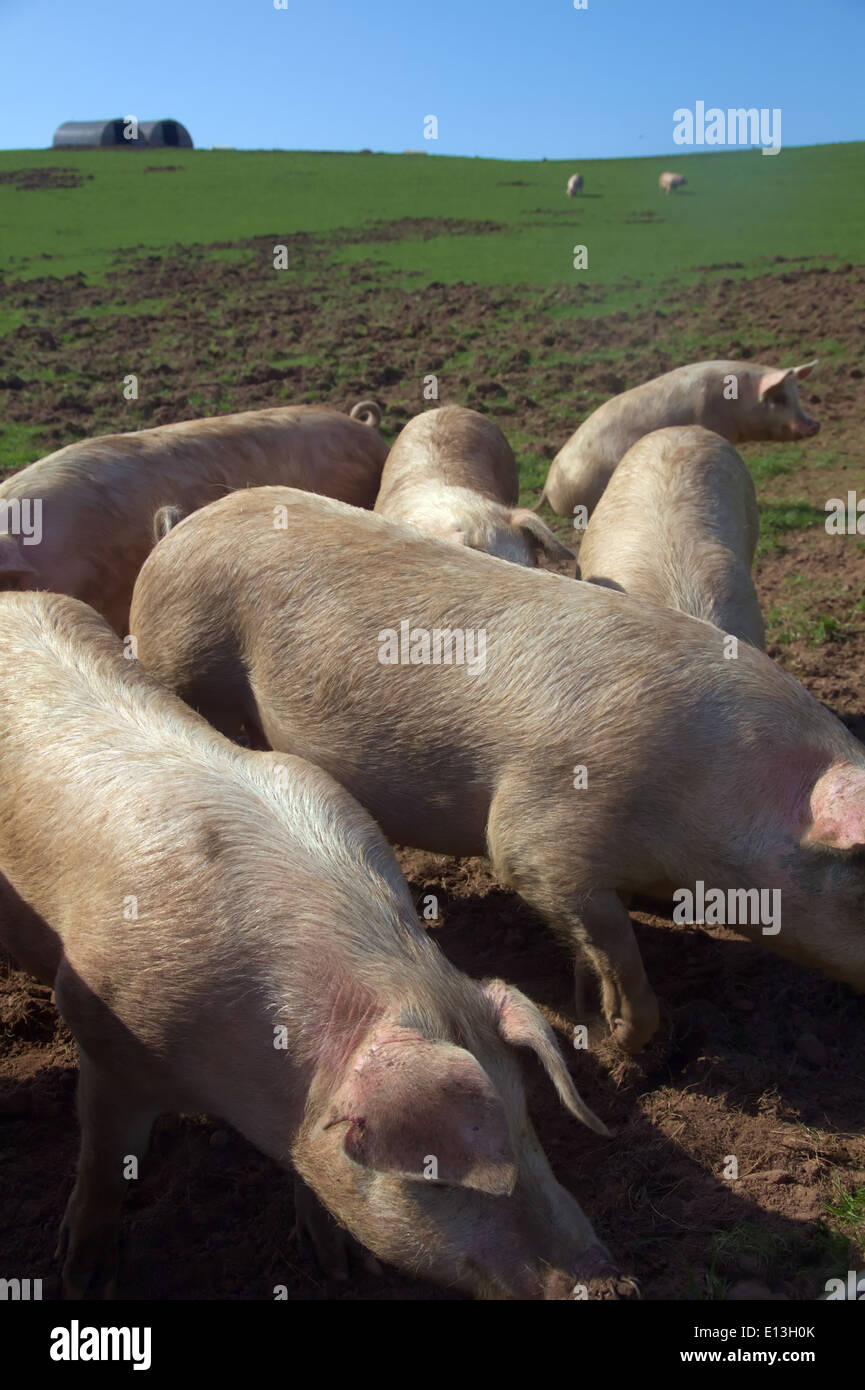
pixel 171 133
pixel 109 135
pixel 95 134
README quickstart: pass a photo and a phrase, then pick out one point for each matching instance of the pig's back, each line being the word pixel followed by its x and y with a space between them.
pixel 103 771
pixel 307 611
pixel 674 486
pixel 195 462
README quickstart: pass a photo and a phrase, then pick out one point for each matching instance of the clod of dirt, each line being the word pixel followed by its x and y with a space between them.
pixel 486 389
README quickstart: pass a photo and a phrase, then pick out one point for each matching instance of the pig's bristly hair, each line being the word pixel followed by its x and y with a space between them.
pixel 261 825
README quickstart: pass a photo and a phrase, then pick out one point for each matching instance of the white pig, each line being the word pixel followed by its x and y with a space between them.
pixel 575 184
pixel 228 932
pixel 739 400
pixel 452 473
pixel 97 498
pixel 593 745
pixel 668 183
pixel 677 525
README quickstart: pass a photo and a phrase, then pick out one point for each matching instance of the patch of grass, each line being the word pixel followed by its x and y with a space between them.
pixel 713 1288
pixel 233 195
pixel 10 319
pixel 776 518
pixel 774 462
pixel 751 1243
pixel 814 1251
pixel 796 625
pixel 22 444
pixel 830 347
pixel 848 1208
pixel 823 458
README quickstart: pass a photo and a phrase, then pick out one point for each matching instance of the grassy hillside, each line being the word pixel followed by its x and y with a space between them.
pixel 739 208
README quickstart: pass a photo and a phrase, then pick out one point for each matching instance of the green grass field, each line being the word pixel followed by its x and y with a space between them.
pixel 739 207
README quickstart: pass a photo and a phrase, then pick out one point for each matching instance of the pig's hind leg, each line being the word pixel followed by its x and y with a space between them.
pixel 115 1127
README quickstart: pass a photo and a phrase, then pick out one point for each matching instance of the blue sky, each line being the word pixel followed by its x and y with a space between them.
pixel 509 78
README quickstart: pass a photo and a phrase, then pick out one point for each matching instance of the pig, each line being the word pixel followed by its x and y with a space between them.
pixel 98 497
pixel 668 183
pixel 591 744
pixel 451 473
pixel 575 185
pixel 228 932
pixel 678 525
pixel 739 400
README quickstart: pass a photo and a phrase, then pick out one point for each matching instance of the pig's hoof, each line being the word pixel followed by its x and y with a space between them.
pixel 616 1289
pixel 89 1265
pixel 629 1038
pixel 633 1033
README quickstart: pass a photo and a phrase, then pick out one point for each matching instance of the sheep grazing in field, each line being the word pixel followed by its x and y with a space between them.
pixel 668 183
pixel 575 184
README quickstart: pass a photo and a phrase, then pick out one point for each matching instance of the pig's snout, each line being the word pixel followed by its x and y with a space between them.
pixel 808 427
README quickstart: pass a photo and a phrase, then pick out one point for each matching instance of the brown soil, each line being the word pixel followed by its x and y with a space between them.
pixel 755 1057
pixel 51 177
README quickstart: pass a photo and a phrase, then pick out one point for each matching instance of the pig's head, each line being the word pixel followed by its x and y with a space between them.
pixel 16 571
pixel 771 405
pixel 822 880
pixel 426 1154
pixel 517 534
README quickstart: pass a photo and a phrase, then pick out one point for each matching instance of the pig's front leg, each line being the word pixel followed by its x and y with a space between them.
pixel 332 1245
pixel 529 848
pixel 115 1126
pixel 533 851
pixel 605 934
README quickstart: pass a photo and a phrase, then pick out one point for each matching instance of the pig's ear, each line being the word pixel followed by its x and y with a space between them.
pixel 770 381
pixel 165 520
pixel 16 572
pixel 425 1110
pixel 838 808
pixel 539 535
pixel 805 370
pixel 522 1024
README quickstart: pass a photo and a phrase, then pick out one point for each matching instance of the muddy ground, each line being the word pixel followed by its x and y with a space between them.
pixel 755 1057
